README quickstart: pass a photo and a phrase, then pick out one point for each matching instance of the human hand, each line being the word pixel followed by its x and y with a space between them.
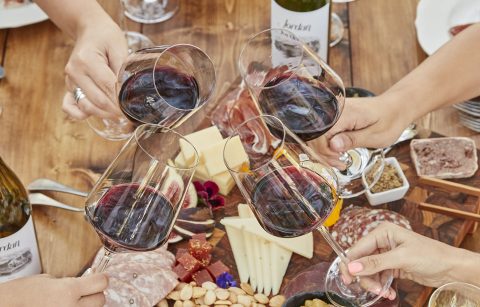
pixel 99 52
pixel 374 122
pixel 411 256
pixel 45 290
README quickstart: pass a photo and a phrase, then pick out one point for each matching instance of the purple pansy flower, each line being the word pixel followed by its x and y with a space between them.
pixel 226 280
pixel 208 194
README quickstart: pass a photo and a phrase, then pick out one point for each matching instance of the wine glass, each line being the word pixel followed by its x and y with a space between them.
pixel 288 80
pixel 150 11
pixel 292 192
pixel 162 85
pixel 135 203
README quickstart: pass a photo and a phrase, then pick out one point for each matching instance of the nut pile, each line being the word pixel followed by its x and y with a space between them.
pixel 209 294
pixel 315 303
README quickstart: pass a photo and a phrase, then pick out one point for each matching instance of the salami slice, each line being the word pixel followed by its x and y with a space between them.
pixel 356 222
pixel 152 281
pixel 122 294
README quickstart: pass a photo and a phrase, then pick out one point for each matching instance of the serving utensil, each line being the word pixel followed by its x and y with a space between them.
pixel 44 200
pixel 44 184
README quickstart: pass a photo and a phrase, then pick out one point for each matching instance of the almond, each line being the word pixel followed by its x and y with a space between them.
pixel 162 303
pixel 223 302
pixel 193 284
pixel 198 292
pixel 178 304
pixel 237 305
pixel 209 297
pixel 261 298
pixel 245 300
pixel 236 290
pixel 277 301
pixel 209 285
pixel 188 304
pixel 199 301
pixel 180 286
pixel 222 294
pixel 186 293
pixel 233 298
pixel 247 288
pixel 174 295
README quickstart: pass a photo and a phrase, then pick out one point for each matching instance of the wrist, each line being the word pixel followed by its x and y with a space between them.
pixel 97 20
pixel 464 266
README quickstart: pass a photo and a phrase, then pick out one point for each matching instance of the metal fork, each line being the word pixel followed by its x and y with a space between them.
pixel 44 200
pixel 44 184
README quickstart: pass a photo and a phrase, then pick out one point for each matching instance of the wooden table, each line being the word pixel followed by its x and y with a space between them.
pixel 38 140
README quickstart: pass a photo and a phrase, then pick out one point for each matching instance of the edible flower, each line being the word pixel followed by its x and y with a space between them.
pixel 208 194
pixel 226 280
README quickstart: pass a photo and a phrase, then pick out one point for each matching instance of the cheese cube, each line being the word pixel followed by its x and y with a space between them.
pixel 225 182
pixel 213 156
pixel 200 140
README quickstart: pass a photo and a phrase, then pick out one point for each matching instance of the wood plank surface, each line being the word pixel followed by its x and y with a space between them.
pixel 38 140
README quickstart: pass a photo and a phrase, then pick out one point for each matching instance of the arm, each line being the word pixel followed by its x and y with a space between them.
pixel 44 290
pixel 415 257
pixel 449 76
pixel 100 49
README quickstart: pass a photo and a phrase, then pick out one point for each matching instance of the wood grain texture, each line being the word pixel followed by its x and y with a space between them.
pixel 37 139
pixel 3 42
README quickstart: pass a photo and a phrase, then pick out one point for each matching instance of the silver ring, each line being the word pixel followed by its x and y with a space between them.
pixel 78 94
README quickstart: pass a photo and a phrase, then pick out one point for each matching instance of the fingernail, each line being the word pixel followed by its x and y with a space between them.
pixel 337 143
pixel 355 267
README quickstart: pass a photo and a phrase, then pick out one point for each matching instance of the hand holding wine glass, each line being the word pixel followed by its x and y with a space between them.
pixel 288 80
pixel 292 192
pixel 134 204
pixel 162 85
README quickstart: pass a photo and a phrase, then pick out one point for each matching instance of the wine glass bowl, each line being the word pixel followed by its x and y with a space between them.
pixel 162 85
pixel 289 81
pixel 285 184
pixel 134 204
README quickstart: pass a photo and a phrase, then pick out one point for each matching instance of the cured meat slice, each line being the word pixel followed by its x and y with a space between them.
pixel 449 157
pixel 122 294
pixel 160 257
pixel 356 222
pixel 152 281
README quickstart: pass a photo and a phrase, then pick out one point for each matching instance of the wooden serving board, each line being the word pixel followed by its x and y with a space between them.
pixel 440 227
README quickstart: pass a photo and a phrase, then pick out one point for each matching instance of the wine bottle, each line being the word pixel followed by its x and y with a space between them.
pixel 18 244
pixel 308 19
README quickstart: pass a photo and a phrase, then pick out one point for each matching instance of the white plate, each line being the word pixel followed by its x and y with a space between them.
pixel 436 17
pixel 21 16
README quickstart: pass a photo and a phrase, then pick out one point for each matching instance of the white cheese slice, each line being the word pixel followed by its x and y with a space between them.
pixel 235 237
pixel 252 273
pixel 201 140
pixel 266 266
pixel 258 260
pixel 279 259
pixel 302 245
pixel 244 211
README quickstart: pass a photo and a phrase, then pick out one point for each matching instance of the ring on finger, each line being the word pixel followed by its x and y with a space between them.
pixel 78 94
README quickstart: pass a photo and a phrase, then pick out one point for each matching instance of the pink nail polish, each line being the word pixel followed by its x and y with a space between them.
pixel 355 267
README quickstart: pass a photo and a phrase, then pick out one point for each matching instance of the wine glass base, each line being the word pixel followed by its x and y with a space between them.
pixel 114 130
pixel 137 41
pixel 339 293
pixel 336 30
pixel 155 15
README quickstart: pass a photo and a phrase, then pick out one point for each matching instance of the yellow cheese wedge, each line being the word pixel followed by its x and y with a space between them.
pixel 201 140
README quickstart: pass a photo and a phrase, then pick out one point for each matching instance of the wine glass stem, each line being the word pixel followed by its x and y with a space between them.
pixel 104 262
pixel 333 244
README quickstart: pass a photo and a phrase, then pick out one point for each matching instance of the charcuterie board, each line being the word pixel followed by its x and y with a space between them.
pixel 440 227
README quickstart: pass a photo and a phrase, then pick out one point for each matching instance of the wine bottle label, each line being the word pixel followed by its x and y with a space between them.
pixel 19 254
pixel 311 27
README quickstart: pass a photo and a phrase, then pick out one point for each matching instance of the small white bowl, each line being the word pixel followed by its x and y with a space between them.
pixel 376 199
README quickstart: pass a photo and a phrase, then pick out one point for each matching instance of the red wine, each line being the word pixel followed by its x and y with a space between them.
pixel 149 95
pixel 305 106
pixel 285 216
pixel 137 222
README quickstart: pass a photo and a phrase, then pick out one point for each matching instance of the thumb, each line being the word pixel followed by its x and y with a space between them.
pixel 374 263
pixel 346 140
